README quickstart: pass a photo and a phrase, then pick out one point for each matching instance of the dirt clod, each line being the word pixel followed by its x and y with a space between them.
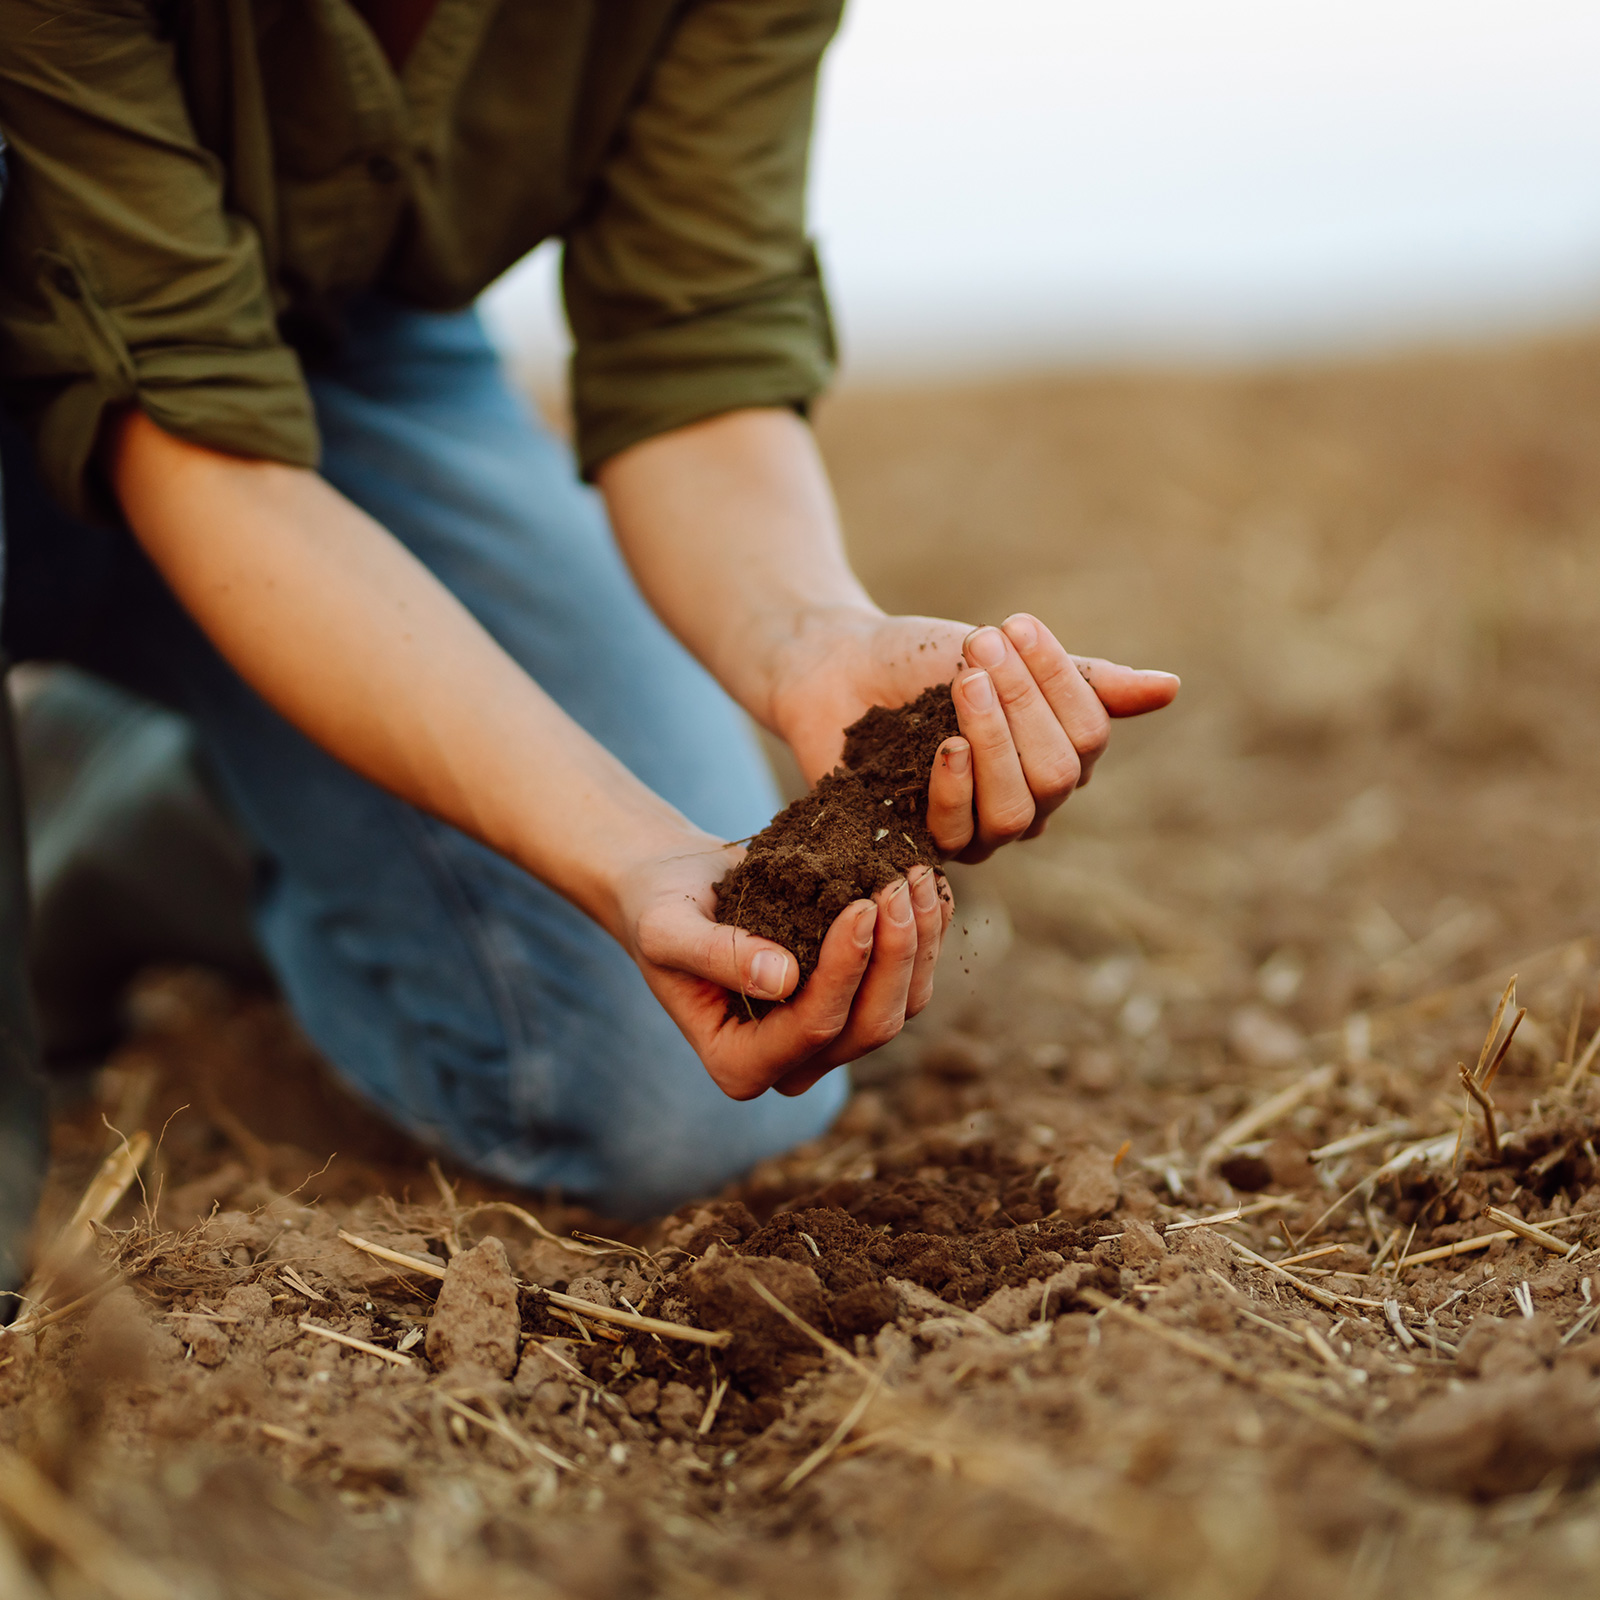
pixel 475 1321
pixel 1141 1244
pixel 768 1352
pixel 1086 1186
pixel 1502 1436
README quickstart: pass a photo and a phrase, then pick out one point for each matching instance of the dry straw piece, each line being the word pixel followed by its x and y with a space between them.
pixel 1324 1297
pixel 105 1191
pixel 38 1507
pixel 631 1319
pixel 1527 1230
pixel 567 1302
pixel 1252 1122
pixel 75 1240
pixel 847 1425
pixel 350 1342
pixel 499 1425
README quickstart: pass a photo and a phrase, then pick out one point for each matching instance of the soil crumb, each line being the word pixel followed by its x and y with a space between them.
pixel 861 827
pixel 475 1321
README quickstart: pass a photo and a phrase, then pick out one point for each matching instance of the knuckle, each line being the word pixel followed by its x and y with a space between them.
pixel 1057 778
pixel 1011 819
pixel 1058 676
pixel 1091 741
pixel 820 1032
pixel 877 1034
pixel 1016 688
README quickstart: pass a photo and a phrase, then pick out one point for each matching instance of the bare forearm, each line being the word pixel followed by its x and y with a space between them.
pixel 351 639
pixel 730 528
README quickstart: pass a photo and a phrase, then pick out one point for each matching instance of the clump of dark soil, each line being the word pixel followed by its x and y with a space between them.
pixel 861 827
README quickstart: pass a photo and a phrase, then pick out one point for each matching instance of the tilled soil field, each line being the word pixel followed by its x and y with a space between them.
pixel 1230 1226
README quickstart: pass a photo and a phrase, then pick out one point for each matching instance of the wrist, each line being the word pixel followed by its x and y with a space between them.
pixel 808 645
pixel 613 851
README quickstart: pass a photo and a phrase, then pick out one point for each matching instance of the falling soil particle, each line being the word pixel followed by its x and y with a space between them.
pixel 862 826
pixel 475 1322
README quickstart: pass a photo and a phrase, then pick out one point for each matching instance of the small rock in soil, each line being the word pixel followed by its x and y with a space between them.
pixel 475 1322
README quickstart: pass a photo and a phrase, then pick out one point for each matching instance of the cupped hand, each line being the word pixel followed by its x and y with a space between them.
pixel 1034 718
pixel 875 970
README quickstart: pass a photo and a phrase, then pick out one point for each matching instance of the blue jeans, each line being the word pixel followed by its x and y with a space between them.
pixel 469 1003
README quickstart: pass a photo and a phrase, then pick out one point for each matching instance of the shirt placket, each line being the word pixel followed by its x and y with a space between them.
pixel 372 189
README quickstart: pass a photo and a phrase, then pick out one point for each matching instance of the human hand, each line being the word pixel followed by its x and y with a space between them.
pixel 1034 719
pixel 875 971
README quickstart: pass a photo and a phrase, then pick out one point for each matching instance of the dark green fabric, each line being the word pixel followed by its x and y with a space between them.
pixel 198 185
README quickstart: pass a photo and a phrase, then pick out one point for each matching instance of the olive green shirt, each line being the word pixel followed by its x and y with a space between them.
pixel 197 186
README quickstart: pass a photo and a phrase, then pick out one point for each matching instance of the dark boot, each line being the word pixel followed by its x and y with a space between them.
pixel 24 1122
pixel 133 863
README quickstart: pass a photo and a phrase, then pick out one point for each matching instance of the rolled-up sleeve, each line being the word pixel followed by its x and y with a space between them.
pixel 124 278
pixel 691 286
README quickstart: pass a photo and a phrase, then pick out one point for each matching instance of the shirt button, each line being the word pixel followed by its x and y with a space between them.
pixel 382 169
pixel 66 280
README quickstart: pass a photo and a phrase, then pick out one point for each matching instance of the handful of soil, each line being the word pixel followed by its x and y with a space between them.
pixel 860 828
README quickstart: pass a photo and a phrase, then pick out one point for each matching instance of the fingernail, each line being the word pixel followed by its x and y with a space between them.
pixel 898 900
pixel 924 892
pixel 979 691
pixel 766 975
pixel 958 757
pixel 866 921
pixel 1022 632
pixel 985 647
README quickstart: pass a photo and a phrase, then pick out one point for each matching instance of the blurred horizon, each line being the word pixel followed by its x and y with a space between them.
pixel 1059 186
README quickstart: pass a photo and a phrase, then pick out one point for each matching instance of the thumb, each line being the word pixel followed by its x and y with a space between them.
pixel 682 936
pixel 1127 691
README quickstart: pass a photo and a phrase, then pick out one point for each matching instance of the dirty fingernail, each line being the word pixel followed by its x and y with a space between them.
pixel 1023 634
pixel 958 757
pixel 985 647
pixel 924 892
pixel 979 691
pixel 866 921
pixel 766 974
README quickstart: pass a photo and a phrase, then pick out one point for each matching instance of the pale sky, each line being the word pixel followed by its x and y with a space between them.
pixel 1045 182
